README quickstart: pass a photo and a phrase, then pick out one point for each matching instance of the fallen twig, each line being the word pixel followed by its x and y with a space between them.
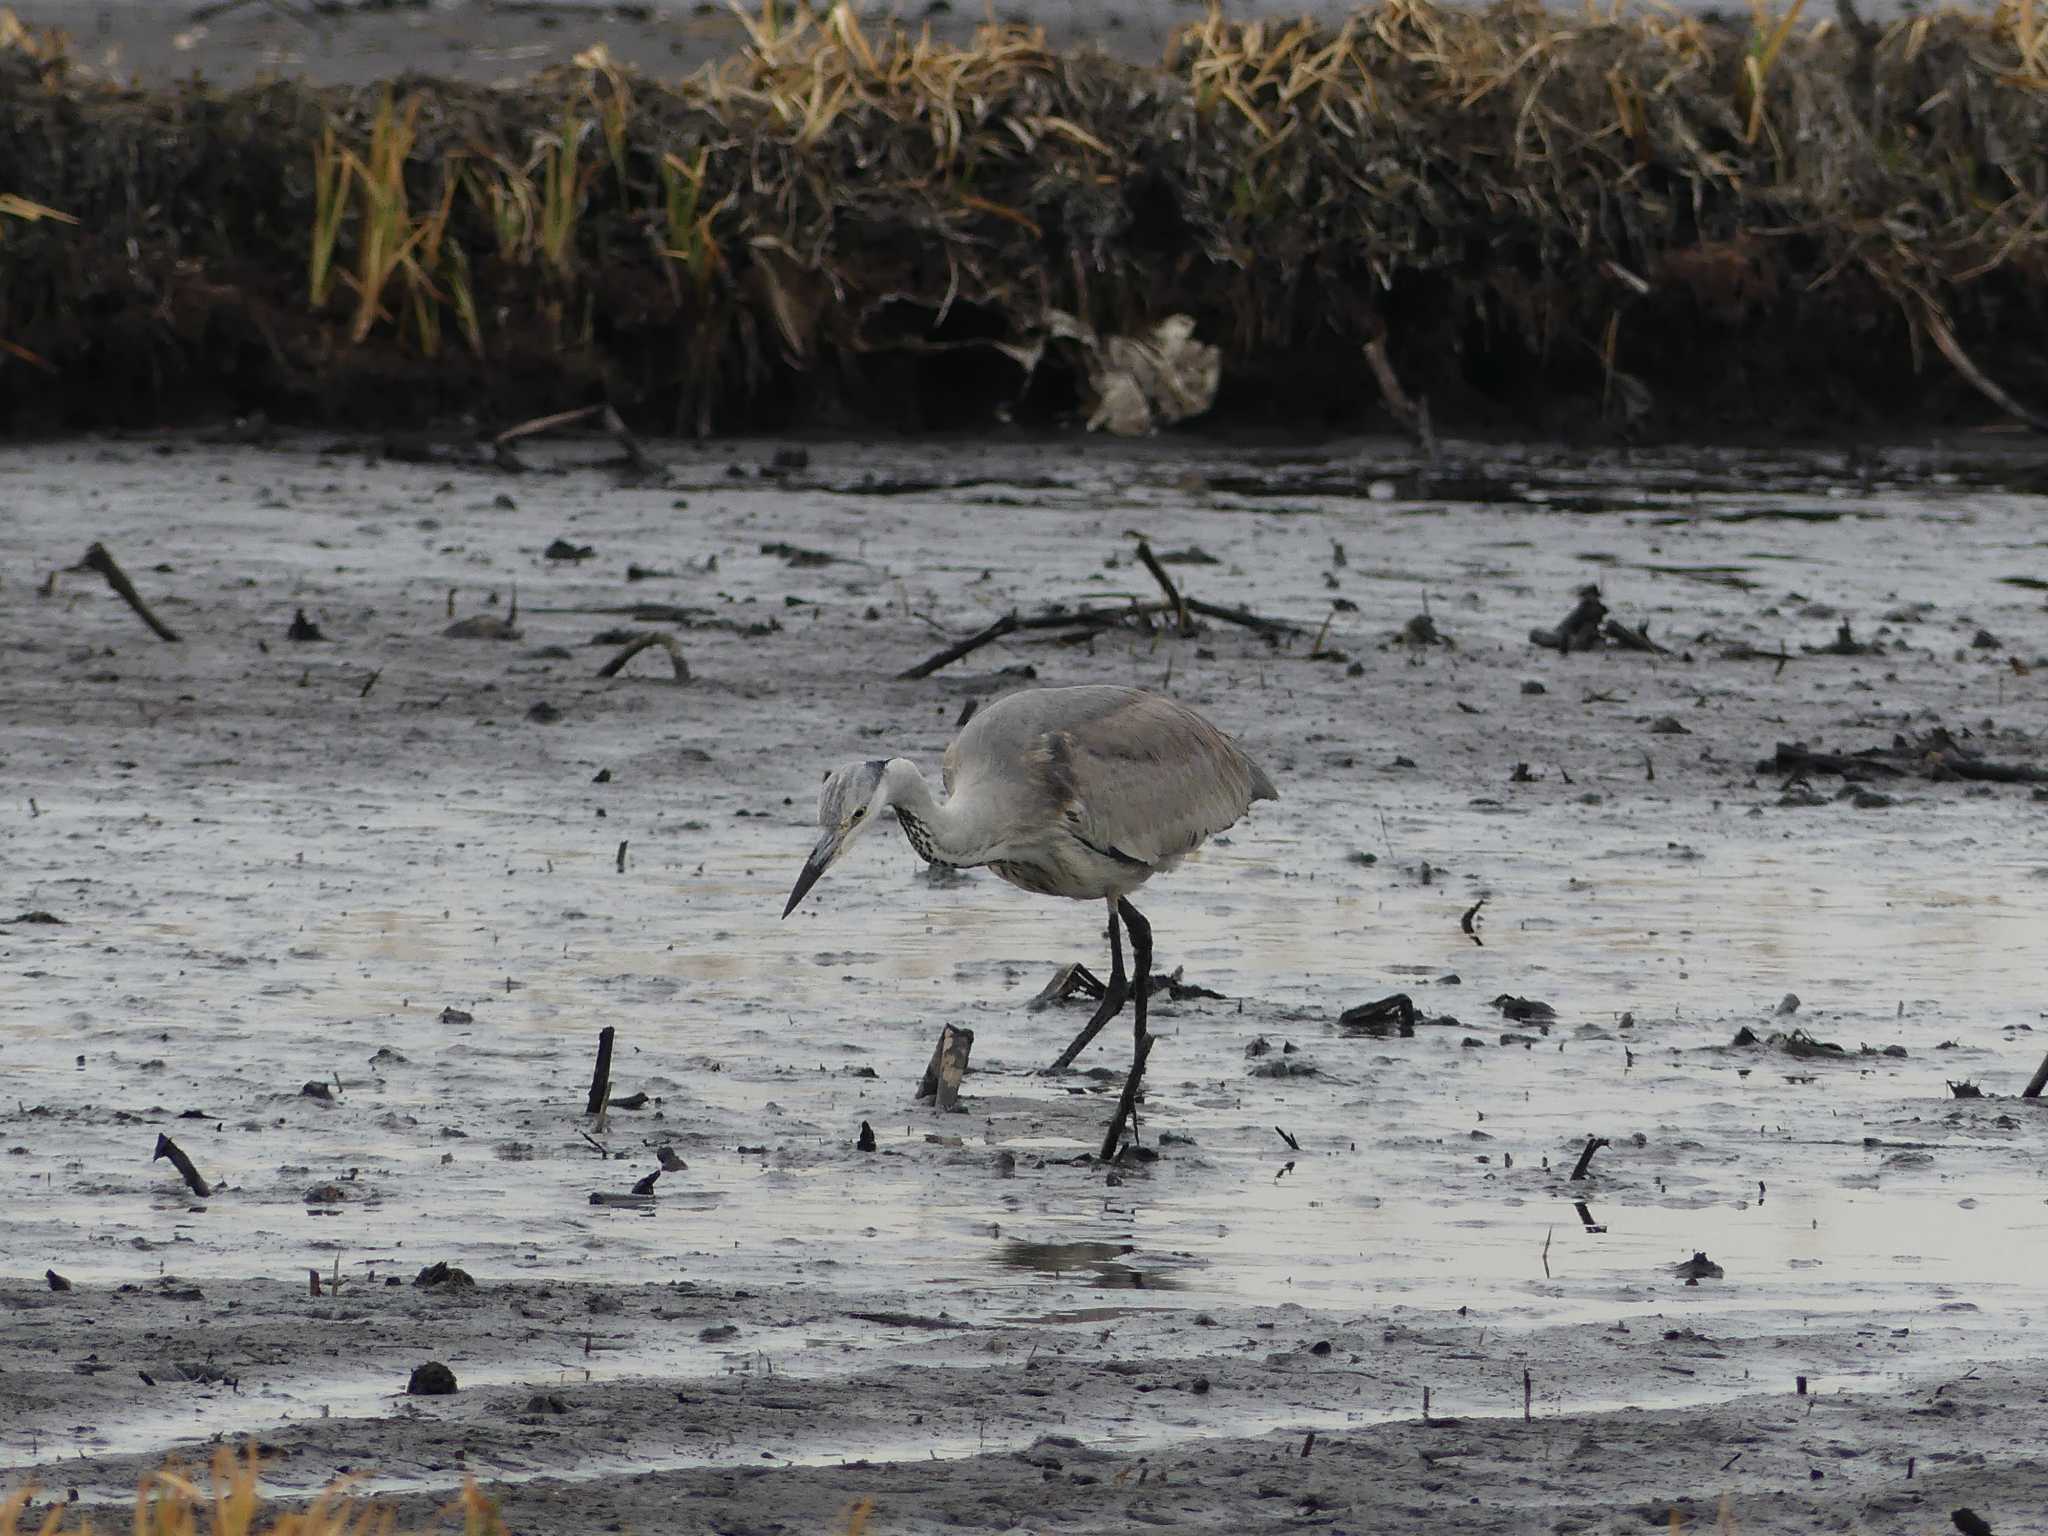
pixel 1593 1144
pixel 1580 630
pixel 1470 922
pixel 1945 341
pixel 1066 981
pixel 952 653
pixel 1636 639
pixel 540 424
pixel 1173 598
pixel 1245 617
pixel 97 559
pixel 641 642
pixel 1747 652
pixel 601 1076
pixel 165 1147
pixel 947 1067
pixel 645 468
pixel 1411 412
pixel 1089 621
pixel 1382 1017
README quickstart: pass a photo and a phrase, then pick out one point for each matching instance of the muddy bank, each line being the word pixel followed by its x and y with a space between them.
pixel 1651 227
pixel 1243 1421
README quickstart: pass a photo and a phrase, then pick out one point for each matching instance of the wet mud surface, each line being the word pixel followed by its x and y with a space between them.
pixel 375 861
pixel 504 41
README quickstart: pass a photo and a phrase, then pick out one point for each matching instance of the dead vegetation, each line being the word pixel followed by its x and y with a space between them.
pixel 170 1503
pixel 1650 219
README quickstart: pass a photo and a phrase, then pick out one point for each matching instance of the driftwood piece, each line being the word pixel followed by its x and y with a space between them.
pixel 1411 411
pixel 1945 341
pixel 1127 1103
pixel 1744 651
pixel 1585 1164
pixel 952 653
pixel 1174 600
pixel 548 423
pixel 636 463
pixel 601 1075
pixel 947 1067
pixel 1066 981
pixel 1257 622
pixel 1936 755
pixel 486 626
pixel 165 1147
pixel 1089 621
pixel 644 467
pixel 1580 630
pixel 1795 757
pixel 97 559
pixel 2037 1082
pixel 1385 1016
pixel 1632 639
pixel 641 642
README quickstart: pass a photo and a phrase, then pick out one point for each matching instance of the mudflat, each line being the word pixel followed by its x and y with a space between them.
pixel 342 916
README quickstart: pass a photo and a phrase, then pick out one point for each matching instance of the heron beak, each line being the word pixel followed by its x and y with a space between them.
pixel 820 860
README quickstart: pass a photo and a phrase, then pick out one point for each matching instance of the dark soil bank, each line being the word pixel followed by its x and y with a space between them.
pixel 1654 226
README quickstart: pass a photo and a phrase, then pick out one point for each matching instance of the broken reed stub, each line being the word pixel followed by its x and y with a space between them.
pixel 165 1147
pixel 601 1073
pixel 947 1067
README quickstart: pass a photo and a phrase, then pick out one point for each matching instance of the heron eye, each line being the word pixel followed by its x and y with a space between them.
pixel 860 813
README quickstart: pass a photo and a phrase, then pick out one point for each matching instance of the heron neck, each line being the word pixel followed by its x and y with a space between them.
pixel 935 827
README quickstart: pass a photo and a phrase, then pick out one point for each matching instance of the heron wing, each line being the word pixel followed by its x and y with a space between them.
pixel 1131 774
pixel 1151 780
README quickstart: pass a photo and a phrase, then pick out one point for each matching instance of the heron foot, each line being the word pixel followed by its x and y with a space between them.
pixel 1115 993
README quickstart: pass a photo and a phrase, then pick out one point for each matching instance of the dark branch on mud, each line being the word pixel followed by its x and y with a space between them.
pixel 952 653
pixel 1411 412
pixel 165 1147
pixel 601 1074
pixel 1585 1164
pixel 1174 600
pixel 1084 622
pixel 639 643
pixel 97 559
pixel 1937 755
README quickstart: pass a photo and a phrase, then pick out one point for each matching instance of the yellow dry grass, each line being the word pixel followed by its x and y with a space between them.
pixel 1533 169
pixel 171 1504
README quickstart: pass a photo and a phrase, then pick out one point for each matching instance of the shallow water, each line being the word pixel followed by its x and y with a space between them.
pixel 265 879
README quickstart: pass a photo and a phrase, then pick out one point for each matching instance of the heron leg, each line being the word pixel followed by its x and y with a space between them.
pixel 1141 960
pixel 1115 993
pixel 1141 1046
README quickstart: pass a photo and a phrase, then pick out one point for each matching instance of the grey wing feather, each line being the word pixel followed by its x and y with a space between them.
pixel 1152 781
pixel 1132 774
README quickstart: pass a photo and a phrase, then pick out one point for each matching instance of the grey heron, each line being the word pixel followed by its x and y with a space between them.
pixel 1085 793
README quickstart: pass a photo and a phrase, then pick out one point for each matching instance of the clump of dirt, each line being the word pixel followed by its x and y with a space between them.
pixel 1651 224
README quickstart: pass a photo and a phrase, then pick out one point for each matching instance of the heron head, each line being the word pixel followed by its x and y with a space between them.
pixel 848 804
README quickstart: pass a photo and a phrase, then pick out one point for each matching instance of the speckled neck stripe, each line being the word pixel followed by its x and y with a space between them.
pixel 920 836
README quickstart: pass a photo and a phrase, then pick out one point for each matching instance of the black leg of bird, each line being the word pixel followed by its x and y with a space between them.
pixel 1141 965
pixel 1115 993
pixel 1141 960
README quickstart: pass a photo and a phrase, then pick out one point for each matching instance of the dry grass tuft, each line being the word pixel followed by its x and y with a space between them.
pixel 169 1504
pixel 1596 200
